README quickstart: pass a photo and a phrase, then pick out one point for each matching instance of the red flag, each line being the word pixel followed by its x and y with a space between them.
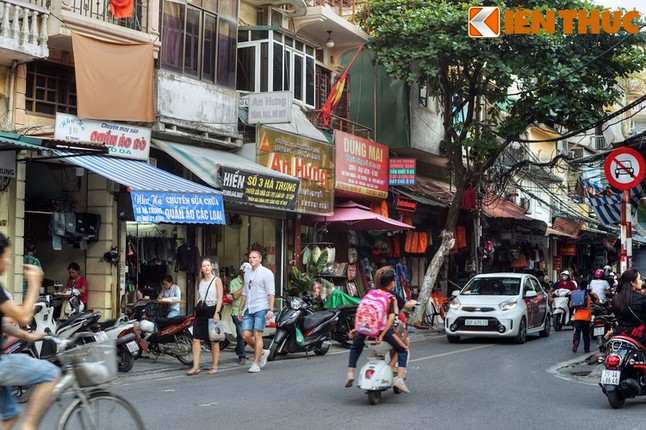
pixel 337 91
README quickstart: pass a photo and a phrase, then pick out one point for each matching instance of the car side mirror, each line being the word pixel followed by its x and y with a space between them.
pixel 455 293
pixel 531 293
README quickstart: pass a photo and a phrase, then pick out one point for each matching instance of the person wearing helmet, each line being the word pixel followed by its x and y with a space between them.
pixel 235 289
pixel 565 282
pixel 600 286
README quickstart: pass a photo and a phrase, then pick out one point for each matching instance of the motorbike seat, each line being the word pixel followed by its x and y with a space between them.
pixel 107 324
pixel 317 318
pixel 166 322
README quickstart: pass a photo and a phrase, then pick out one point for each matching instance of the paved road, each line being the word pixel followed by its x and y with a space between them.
pixel 476 384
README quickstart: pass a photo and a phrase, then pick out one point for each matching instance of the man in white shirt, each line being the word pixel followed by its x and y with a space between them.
pixel 256 308
pixel 599 285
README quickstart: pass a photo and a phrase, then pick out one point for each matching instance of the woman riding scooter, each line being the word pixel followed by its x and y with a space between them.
pixel 388 334
pixel 629 306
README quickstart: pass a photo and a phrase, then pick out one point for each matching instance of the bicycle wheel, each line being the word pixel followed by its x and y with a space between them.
pixel 105 411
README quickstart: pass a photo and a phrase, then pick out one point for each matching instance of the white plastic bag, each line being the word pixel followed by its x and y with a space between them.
pixel 216 331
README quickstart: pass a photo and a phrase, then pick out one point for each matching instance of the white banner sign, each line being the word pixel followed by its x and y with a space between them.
pixel 270 108
pixel 124 140
pixel 8 164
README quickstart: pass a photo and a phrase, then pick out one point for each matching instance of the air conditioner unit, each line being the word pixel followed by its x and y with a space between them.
pixel 562 146
pixel 576 153
pixel 268 15
pixel 598 142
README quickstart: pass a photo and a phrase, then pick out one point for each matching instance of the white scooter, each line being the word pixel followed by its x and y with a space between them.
pixel 127 352
pixel 561 313
pixel 377 375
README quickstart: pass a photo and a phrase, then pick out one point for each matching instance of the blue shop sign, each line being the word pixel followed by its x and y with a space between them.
pixel 154 207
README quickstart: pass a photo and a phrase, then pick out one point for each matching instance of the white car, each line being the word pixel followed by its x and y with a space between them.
pixel 499 305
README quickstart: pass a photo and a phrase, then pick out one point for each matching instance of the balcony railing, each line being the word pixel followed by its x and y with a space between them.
pixel 23 30
pixel 343 8
pixel 339 123
pixel 100 9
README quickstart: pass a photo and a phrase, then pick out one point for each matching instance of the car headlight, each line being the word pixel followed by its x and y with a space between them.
pixel 508 305
pixel 455 304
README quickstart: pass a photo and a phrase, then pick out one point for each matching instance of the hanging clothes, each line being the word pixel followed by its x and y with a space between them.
pixel 121 8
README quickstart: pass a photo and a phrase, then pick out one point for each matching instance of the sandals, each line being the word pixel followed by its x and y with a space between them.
pixel 193 372
pixel 213 371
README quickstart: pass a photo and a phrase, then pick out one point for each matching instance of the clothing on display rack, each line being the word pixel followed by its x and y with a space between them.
pixel 188 259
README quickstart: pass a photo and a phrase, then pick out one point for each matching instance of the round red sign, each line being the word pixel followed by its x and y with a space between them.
pixel 624 168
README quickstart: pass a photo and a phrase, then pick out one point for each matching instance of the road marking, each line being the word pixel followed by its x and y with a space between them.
pixel 444 354
pixel 208 404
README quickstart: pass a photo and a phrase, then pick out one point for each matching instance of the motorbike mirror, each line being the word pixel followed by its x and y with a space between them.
pixel 530 294
pixel 455 293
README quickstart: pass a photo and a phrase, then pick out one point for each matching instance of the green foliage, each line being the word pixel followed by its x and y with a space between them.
pixel 304 281
pixel 524 79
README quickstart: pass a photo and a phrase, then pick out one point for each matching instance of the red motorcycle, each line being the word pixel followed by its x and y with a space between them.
pixel 172 336
pixel 623 373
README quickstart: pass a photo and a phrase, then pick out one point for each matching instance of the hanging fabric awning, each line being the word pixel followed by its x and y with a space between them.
pixel 157 196
pixel 353 216
pixel 606 203
pixel 242 181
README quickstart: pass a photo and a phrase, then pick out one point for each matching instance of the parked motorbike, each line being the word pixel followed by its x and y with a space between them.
pixel 601 326
pixel 376 375
pixel 345 324
pixel 623 370
pixel 561 312
pixel 115 329
pixel 173 336
pixel 298 329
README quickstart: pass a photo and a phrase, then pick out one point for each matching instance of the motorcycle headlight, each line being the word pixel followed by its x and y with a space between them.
pixel 455 304
pixel 296 303
pixel 508 305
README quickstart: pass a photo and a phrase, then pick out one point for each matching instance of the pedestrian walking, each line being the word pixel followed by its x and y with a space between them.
pixel 582 319
pixel 210 292
pixel 236 289
pixel 256 308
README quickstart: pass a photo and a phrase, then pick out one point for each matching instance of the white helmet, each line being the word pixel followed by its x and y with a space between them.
pixel 565 272
pixel 245 267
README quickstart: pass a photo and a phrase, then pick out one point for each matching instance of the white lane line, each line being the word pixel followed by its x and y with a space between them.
pixel 444 354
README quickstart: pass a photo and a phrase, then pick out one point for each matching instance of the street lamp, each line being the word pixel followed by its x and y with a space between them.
pixel 329 43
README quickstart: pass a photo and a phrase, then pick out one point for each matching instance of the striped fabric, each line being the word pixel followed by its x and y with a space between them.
pixel 606 204
pixel 138 175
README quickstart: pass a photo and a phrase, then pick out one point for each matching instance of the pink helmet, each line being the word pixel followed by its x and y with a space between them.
pixel 598 273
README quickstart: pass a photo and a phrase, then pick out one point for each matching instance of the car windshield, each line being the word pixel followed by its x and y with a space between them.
pixel 492 287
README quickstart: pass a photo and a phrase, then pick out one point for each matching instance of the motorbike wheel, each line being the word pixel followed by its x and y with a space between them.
pixel 558 322
pixel 185 339
pixel 125 360
pixel 223 343
pixel 273 349
pixel 23 393
pixel 322 349
pixel 616 399
pixel 341 336
pixel 374 397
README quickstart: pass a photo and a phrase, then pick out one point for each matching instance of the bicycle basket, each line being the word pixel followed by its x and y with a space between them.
pixel 94 363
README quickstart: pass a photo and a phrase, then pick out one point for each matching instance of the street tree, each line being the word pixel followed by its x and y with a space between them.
pixel 491 89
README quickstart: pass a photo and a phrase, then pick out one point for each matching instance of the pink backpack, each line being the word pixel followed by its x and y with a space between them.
pixel 372 313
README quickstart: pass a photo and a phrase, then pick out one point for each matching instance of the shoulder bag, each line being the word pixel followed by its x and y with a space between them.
pixel 201 308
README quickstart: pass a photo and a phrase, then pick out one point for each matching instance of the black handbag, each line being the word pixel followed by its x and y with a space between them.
pixel 201 309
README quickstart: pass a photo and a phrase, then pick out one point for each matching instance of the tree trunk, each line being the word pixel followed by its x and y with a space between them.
pixel 440 255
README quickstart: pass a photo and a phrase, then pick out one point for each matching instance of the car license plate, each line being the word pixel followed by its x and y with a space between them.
pixel 599 331
pixel 132 347
pixel 476 322
pixel 100 336
pixel 610 377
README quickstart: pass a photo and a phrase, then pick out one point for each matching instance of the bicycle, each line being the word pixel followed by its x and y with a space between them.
pixel 86 368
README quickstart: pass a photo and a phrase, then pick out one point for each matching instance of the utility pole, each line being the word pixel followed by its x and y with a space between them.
pixel 626 233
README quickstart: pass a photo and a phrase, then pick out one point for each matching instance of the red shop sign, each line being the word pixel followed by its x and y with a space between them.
pixel 556 264
pixel 567 249
pixel 405 205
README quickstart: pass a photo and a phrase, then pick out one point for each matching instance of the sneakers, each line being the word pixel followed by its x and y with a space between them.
pixel 254 368
pixel 263 358
pixel 575 346
pixel 399 383
pixel 349 381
